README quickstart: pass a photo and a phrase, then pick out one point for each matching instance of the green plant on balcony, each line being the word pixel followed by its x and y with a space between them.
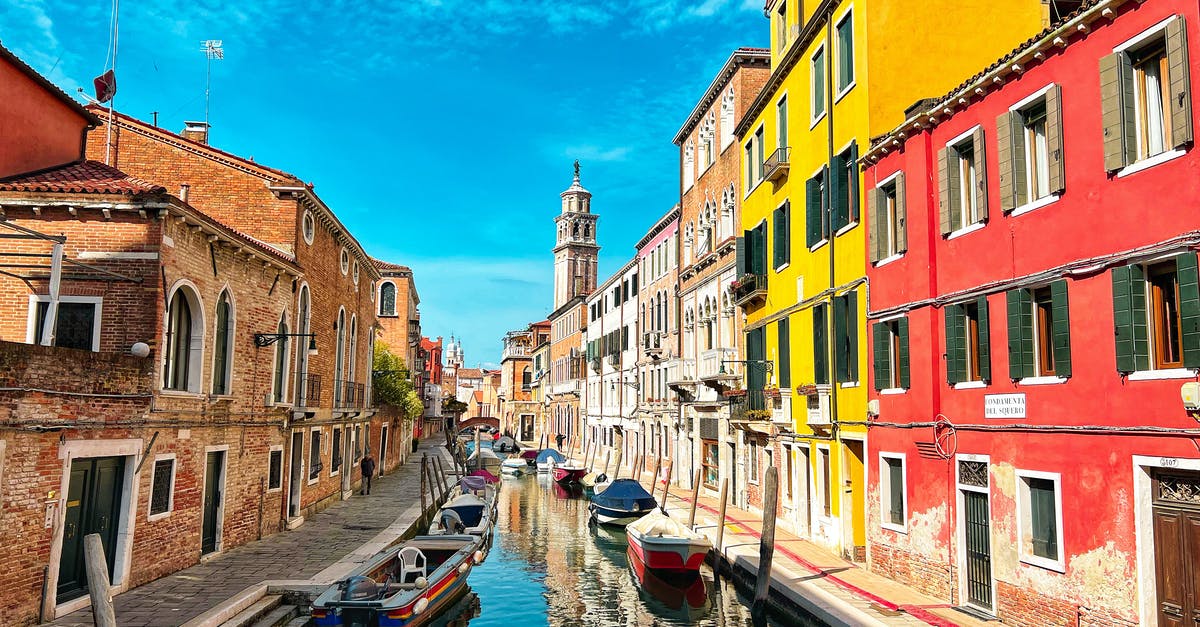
pixel 758 414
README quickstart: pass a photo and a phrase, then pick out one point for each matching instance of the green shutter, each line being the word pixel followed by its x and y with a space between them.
pixel 1004 160
pixel 1020 334
pixel 1054 139
pixel 1129 318
pixel 780 237
pixel 820 344
pixel 838 209
pixel 787 230
pixel 826 205
pixel 901 216
pixel 979 147
pixel 955 344
pixel 760 249
pixel 1020 182
pixel 839 339
pixel 785 355
pixel 1062 329
pixel 1189 307
pixel 1117 110
pixel 985 340
pixel 756 375
pixel 880 356
pixel 902 331
pixel 873 228
pixel 945 210
pixel 852 335
pixel 852 182
pixel 1179 83
pixel 812 212
pixel 741 253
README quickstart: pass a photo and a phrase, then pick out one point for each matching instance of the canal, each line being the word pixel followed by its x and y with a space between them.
pixel 548 566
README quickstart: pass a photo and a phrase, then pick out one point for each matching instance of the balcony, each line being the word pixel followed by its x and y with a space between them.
pixel 350 395
pixel 515 351
pixel 566 387
pixel 652 344
pixel 719 368
pixel 775 167
pixel 749 405
pixel 749 288
pixel 681 378
pixel 308 390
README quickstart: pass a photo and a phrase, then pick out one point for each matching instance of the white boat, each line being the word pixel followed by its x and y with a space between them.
pixel 514 466
pixel 662 543
pixel 484 459
pixel 465 513
pixel 547 459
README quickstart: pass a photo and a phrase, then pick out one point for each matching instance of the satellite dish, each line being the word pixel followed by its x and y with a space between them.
pixel 106 86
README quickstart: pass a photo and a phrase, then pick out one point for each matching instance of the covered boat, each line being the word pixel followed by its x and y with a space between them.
pixel 569 471
pixel 465 513
pixel 486 459
pixel 665 544
pixel 530 456
pixel 411 584
pixel 506 445
pixel 547 458
pixel 623 502
pixel 485 475
pixel 514 466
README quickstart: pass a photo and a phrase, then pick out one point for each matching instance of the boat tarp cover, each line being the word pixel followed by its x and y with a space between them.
pixel 487 476
pixel 548 454
pixel 469 508
pixel 474 483
pixel 658 524
pixel 488 455
pixel 529 454
pixel 625 495
pixel 505 443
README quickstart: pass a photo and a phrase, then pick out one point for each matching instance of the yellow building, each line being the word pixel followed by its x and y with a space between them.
pixel 841 73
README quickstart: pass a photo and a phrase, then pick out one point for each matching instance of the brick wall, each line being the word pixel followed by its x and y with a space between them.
pixel 913 569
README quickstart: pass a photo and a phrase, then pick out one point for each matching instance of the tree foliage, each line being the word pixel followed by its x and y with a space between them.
pixel 392 384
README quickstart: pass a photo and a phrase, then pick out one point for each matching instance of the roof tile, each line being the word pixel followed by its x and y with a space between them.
pixel 81 177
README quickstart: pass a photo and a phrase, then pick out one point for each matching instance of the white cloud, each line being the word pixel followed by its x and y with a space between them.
pixel 596 153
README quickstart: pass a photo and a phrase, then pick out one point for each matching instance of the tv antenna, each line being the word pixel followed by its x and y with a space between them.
pixel 212 49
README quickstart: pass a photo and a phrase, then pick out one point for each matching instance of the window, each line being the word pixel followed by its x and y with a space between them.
pixel 759 153
pixel 345 262
pixel 275 469
pixel 709 463
pixel 820 336
pixel 781 126
pixel 845 336
pixel 335 452
pixel 339 358
pixel 387 299
pixel 823 481
pixel 314 456
pixel 357 442
pixel 707 140
pixel 355 273
pixel 887 207
pixel 816 213
pixel 1039 332
pixel 891 354
pixel 223 348
pixel 1039 537
pixel 752 461
pixel 162 487
pixel 279 379
pixel 728 103
pixel 752 247
pixel 818 84
pixel 77 324
pixel 1030 148
pixel 309 227
pixel 781 27
pixel 1146 96
pixel 968 345
pixel 1153 305
pixel 893 499
pixel 184 343
pixel 785 354
pixel 843 183
pixel 781 226
pixel 689 165
pixel 963 184
pixel 845 41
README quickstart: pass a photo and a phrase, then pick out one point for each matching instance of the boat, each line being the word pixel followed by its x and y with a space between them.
pixel 547 458
pixel 623 502
pixel 569 471
pixel 683 595
pixel 506 445
pixel 514 466
pixel 665 544
pixel 486 459
pixel 530 456
pixel 465 513
pixel 411 584
pixel 485 475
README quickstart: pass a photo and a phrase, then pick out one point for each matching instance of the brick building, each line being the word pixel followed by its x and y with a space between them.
pixel 518 413
pixel 565 378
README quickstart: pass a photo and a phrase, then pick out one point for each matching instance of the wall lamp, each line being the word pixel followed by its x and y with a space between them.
pixel 262 340
pixel 612 385
pixel 768 366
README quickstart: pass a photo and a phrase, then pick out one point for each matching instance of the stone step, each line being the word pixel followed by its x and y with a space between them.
pixel 248 616
pixel 278 616
pixel 300 621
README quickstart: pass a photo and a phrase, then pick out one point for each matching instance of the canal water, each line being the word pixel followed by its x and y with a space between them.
pixel 548 566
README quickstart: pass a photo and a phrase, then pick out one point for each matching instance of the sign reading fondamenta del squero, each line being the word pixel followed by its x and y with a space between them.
pixel 1004 406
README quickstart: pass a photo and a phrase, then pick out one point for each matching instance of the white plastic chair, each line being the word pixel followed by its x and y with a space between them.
pixel 412 562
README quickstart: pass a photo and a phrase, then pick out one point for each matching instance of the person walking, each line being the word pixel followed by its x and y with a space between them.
pixel 368 471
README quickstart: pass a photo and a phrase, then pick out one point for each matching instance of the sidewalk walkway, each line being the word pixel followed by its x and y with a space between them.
pixel 834 589
pixel 327 546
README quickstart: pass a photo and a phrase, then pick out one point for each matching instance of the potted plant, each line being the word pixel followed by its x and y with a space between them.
pixel 771 392
pixel 735 393
pixel 806 389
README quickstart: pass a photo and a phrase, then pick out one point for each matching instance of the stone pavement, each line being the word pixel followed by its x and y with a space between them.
pixel 325 546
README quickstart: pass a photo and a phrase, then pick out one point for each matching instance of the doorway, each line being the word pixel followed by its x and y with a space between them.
pixel 854 511
pixel 526 428
pixel 1177 547
pixel 214 487
pixel 296 475
pixel 804 494
pixel 383 451
pixel 975 532
pixel 93 506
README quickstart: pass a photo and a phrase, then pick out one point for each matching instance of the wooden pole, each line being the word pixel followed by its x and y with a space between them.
pixel 424 485
pixel 721 523
pixel 695 499
pixel 478 454
pixel 442 473
pixel 97 575
pixel 607 459
pixel 654 478
pixel 666 486
pixel 766 545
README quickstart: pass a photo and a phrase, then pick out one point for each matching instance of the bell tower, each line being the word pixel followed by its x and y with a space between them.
pixel 575 249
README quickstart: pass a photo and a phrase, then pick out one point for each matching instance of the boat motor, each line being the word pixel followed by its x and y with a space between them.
pixel 451 522
pixel 359 588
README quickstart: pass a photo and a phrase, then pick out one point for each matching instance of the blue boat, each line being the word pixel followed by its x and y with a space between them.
pixel 547 458
pixel 622 502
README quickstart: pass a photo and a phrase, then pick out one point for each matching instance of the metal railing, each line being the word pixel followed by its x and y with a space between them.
pixel 308 390
pixel 351 395
pixel 749 405
pixel 711 366
pixel 748 287
pixel 776 165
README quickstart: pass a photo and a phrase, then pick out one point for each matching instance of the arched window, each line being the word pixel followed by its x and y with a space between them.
pixel 688 234
pixel 279 384
pixel 726 220
pixel 185 342
pixel 339 359
pixel 352 357
pixel 306 396
pixel 689 165
pixel 727 116
pixel 708 141
pixel 387 299
pixel 223 347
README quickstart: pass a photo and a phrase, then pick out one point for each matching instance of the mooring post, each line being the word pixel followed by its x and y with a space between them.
pixel 424 482
pixel 654 478
pixel 97 575
pixel 607 459
pixel 766 546
pixel 478 454
pixel 721 524
pixel 666 486
pixel 695 499
pixel 442 479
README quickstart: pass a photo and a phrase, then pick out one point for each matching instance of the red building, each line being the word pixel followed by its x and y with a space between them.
pixel 1035 318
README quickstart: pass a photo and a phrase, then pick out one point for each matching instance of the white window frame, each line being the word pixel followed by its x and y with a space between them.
pixel 34 299
pixel 815 116
pixel 952 148
pixel 752 461
pixel 171 495
pixel 344 261
pixel 823 472
pixel 885 491
pixel 890 181
pixel 1024 520
pixel 1031 203
pixel 308 233
pixel 848 15
pixel 231 348
pixel 196 379
pixel 1158 30
pixel 275 448
pixel 781 141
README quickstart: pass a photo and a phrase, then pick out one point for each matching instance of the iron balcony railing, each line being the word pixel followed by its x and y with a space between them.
pixel 749 287
pixel 749 405
pixel 308 390
pixel 352 395
pixel 776 165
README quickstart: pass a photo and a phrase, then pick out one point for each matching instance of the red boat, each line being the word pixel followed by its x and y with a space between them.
pixel 664 544
pixel 684 592
pixel 569 472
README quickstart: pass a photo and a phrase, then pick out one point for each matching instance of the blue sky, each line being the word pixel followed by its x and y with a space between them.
pixel 440 131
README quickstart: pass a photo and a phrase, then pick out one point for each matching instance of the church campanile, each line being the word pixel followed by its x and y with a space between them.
pixel 575 249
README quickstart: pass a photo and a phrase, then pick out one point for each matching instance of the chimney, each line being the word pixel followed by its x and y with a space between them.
pixel 183 191
pixel 196 131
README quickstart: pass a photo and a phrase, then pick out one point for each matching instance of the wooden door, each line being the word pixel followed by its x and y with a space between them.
pixel 213 487
pixel 1177 549
pixel 93 506
pixel 296 476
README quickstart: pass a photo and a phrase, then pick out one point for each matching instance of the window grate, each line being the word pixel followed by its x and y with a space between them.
pixel 974 474
pixel 160 497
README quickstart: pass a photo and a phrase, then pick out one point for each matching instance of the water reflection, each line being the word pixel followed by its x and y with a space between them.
pixel 548 566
